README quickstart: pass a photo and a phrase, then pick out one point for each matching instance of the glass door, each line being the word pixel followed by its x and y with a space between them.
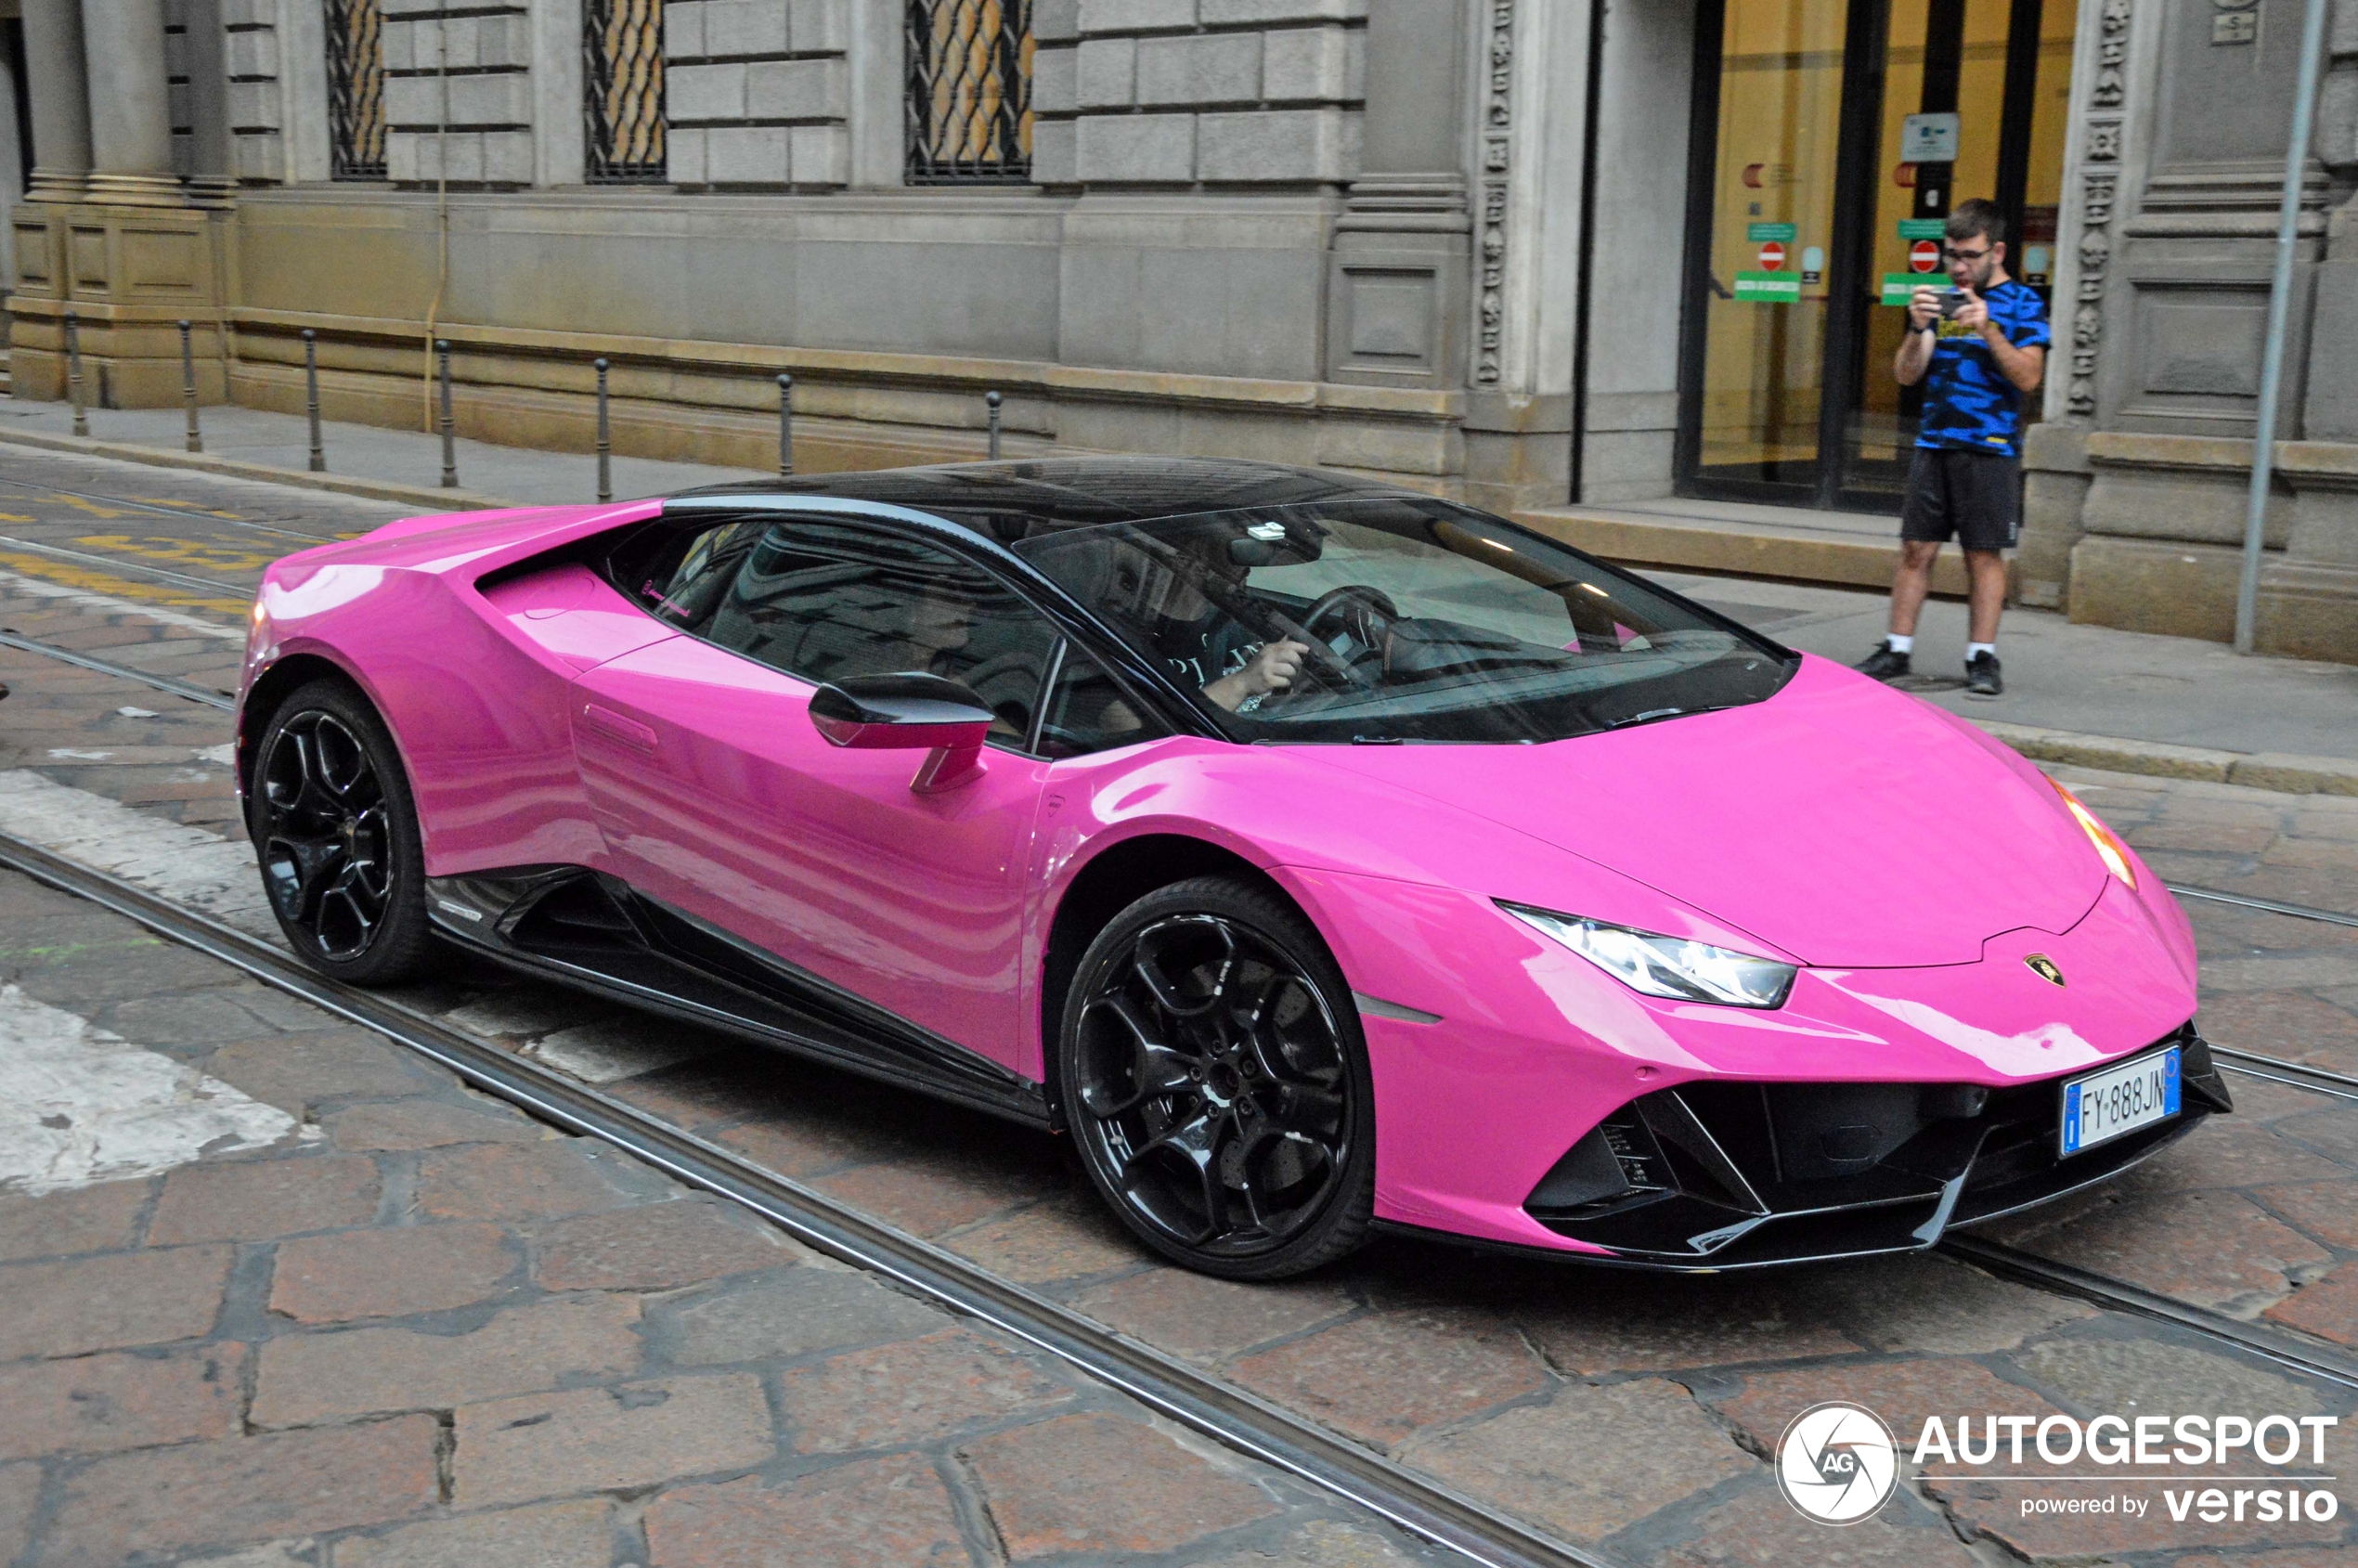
pixel 1831 139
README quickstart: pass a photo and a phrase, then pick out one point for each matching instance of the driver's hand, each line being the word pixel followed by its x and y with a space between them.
pixel 1271 669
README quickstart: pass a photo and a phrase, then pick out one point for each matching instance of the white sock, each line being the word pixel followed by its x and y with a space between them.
pixel 1974 650
pixel 1898 643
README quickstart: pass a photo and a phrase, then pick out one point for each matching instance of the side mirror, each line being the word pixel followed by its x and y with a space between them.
pixel 907 712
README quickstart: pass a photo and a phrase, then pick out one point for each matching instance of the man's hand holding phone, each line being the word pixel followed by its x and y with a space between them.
pixel 1923 307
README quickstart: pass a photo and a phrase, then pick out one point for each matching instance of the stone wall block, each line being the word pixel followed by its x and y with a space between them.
pixel 461 38
pixel 398 39
pixel 501 99
pixel 684 153
pixel 506 156
pixel 819 26
pixel 1312 64
pixel 175 60
pixel 818 154
pixel 683 30
pixel 1218 13
pixel 504 41
pixel 249 13
pixel 1056 82
pixel 746 155
pixel 1056 152
pixel 1106 73
pixel 796 89
pixel 704 92
pixel 256 54
pixel 744 27
pixel 1055 21
pixel 413 100
pixel 258 155
pixel 254 104
pixel 1213 68
pixel 422 153
pixel 401 159
pixel 1134 16
pixel 1274 145
pixel 1144 147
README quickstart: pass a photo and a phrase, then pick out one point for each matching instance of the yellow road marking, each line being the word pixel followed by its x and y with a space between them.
pixel 121 587
pixel 188 506
pixel 190 552
pixel 92 508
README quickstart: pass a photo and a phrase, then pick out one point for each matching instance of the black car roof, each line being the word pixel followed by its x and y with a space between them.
pixel 1008 499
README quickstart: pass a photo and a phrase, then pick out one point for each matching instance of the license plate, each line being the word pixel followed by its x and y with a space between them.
pixel 2122 1098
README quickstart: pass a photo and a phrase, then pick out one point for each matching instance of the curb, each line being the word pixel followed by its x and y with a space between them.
pixel 2284 772
pixel 426 498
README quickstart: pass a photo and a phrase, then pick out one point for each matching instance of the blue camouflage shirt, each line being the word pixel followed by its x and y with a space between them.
pixel 1969 404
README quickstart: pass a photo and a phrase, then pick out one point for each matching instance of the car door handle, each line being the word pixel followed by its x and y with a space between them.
pixel 614 726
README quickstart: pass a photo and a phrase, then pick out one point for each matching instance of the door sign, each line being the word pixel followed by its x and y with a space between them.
pixel 1923 256
pixel 1930 138
pixel 1813 267
pixel 1772 256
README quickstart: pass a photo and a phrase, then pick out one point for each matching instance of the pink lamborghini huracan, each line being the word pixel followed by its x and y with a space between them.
pixel 1318 855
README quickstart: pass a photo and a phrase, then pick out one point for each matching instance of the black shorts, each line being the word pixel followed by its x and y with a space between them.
pixel 1973 497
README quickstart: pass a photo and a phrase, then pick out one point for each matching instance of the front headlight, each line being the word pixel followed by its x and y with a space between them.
pixel 1672 967
pixel 2109 849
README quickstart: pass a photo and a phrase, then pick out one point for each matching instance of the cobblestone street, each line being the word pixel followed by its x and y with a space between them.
pixel 365 1315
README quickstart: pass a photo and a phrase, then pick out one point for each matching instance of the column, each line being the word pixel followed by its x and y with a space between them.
pixel 212 179
pixel 129 103
pixel 1396 284
pixel 60 100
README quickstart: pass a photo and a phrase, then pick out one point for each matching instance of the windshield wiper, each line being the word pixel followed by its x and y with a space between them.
pixel 1651 714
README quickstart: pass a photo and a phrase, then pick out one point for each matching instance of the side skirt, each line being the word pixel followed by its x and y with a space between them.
pixel 597 934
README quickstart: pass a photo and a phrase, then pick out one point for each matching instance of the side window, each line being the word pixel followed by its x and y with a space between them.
pixel 1086 711
pixel 825 600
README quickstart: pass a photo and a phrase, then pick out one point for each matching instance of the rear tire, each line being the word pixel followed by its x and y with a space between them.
pixel 1213 1075
pixel 335 830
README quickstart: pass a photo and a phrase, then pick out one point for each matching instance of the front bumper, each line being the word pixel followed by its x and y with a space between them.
pixel 1720 1174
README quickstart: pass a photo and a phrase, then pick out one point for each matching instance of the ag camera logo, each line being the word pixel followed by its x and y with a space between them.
pixel 1838 1462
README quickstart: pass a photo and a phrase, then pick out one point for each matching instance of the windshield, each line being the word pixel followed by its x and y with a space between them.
pixel 1402 620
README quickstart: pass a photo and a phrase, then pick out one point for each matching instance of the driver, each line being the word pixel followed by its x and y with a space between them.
pixel 1204 644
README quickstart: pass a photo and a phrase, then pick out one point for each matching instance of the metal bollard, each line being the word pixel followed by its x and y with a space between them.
pixel 991 400
pixel 311 398
pixel 605 446
pixel 73 372
pixel 189 388
pixel 786 427
pixel 449 454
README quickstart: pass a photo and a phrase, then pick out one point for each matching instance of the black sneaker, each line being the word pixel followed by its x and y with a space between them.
pixel 1982 679
pixel 1884 664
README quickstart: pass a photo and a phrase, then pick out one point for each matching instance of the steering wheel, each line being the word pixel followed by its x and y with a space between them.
pixel 1362 614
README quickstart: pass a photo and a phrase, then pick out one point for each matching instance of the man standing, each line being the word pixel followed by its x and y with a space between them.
pixel 1978 358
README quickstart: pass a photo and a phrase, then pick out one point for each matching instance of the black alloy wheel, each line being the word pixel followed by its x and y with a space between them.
pixel 1216 1084
pixel 333 826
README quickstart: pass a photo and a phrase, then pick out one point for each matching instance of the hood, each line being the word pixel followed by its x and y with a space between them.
pixel 1845 824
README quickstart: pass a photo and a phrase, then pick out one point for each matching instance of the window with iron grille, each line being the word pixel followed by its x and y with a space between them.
pixel 622 50
pixel 969 92
pixel 356 90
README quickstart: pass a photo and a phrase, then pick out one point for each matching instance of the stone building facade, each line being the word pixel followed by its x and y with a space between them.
pixel 1466 243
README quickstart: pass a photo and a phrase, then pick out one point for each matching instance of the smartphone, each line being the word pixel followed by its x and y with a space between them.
pixel 1953 300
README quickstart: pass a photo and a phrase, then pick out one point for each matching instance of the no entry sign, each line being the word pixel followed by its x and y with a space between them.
pixel 1923 256
pixel 1772 256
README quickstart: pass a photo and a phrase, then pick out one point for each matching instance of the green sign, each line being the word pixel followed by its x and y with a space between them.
pixel 1768 288
pixel 1923 228
pixel 1898 286
pixel 1761 233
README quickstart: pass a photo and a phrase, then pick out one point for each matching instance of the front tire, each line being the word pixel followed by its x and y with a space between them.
pixel 1213 1075
pixel 335 830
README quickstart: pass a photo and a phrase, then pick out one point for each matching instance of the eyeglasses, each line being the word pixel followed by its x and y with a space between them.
pixel 1955 254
